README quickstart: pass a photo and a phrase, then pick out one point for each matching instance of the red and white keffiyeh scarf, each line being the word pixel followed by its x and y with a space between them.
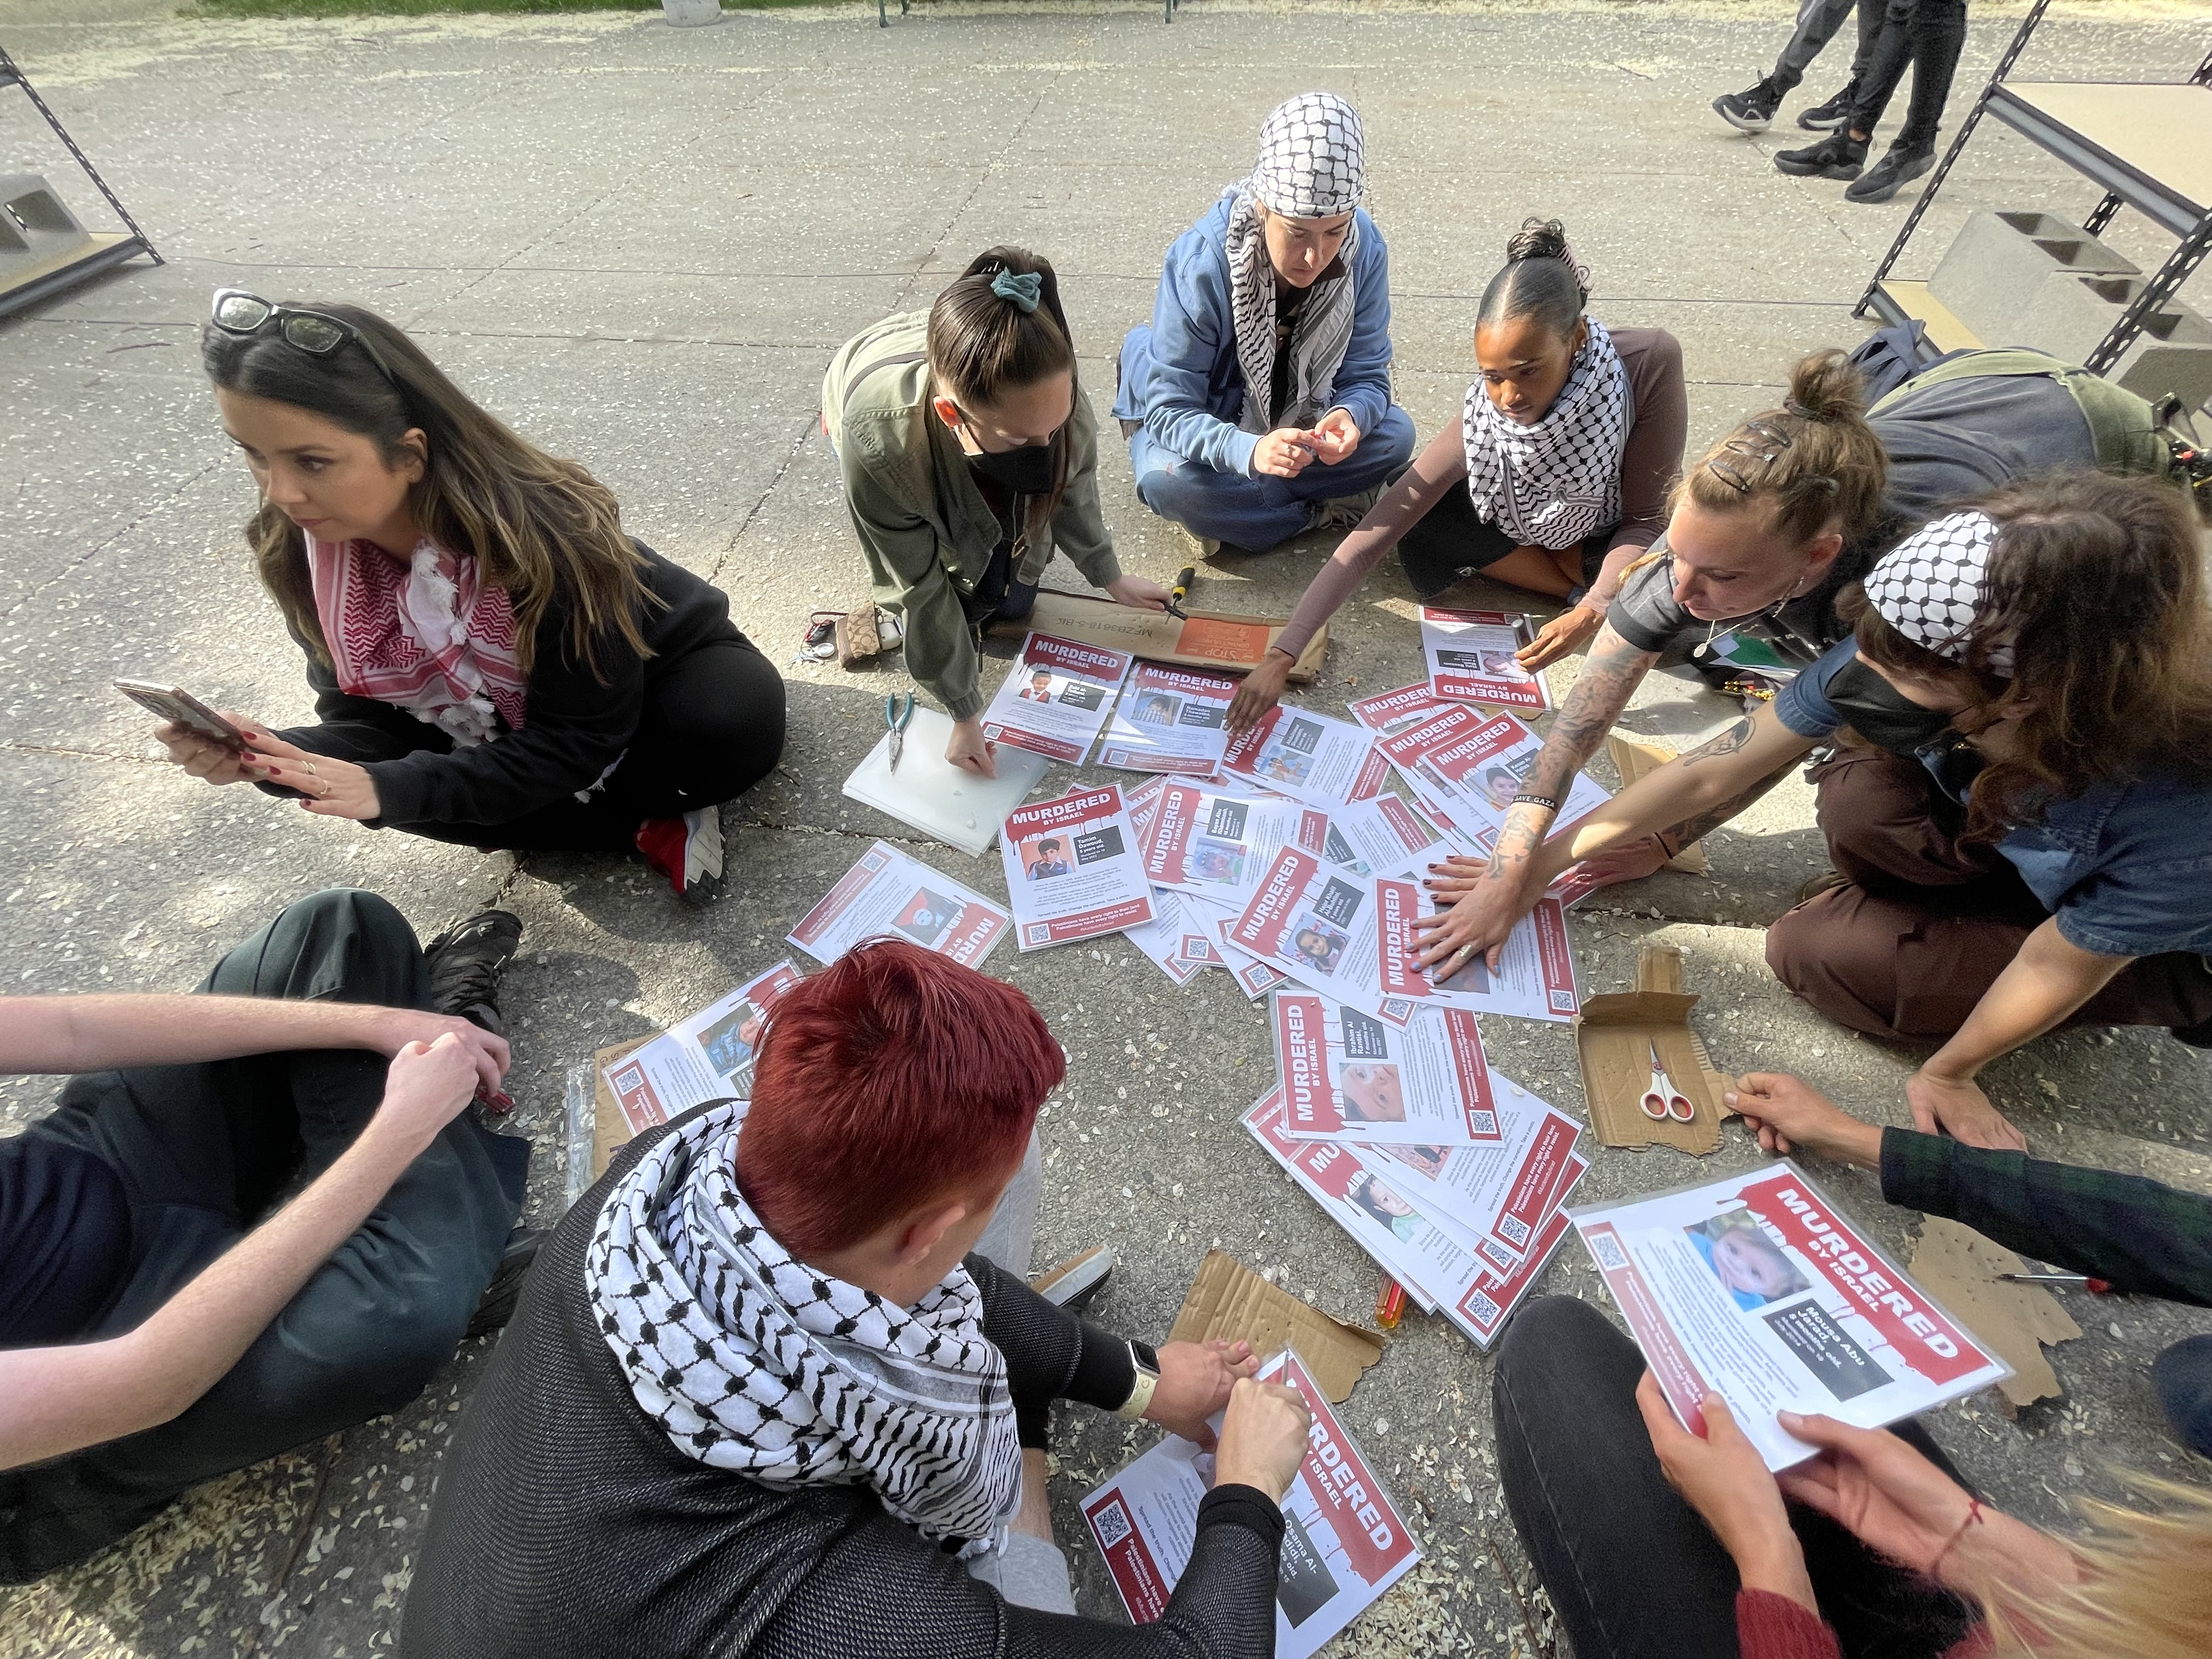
pixel 429 636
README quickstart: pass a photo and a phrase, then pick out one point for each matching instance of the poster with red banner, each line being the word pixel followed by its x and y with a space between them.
pixel 1534 977
pixel 890 894
pixel 1345 1539
pixel 1073 869
pixel 1473 655
pixel 1470 765
pixel 1053 702
pixel 1348 1076
pixel 1200 841
pixel 707 1057
pixel 1393 711
pixel 1755 1288
pixel 1500 1195
pixel 1308 756
pixel 1316 921
pixel 1169 720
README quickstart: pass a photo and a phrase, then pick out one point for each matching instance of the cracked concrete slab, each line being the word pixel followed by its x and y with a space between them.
pixel 639 245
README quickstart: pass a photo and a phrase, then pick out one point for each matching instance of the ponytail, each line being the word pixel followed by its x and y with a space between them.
pixel 985 341
pixel 1811 463
pixel 1540 279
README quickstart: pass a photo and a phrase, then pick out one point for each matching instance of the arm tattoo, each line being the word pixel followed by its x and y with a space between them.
pixel 1610 675
pixel 1675 836
pixel 1724 742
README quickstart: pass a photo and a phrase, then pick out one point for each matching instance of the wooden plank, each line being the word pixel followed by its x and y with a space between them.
pixel 2163 131
pixel 95 248
pixel 1945 331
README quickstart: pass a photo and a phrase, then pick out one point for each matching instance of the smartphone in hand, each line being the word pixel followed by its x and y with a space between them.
pixel 181 707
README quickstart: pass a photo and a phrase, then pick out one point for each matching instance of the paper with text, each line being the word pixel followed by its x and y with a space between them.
pixel 1073 869
pixel 1054 701
pixel 888 893
pixel 707 1057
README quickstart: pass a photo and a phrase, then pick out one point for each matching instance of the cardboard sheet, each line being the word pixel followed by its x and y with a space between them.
pixel 1614 1038
pixel 1230 1302
pixel 1209 639
pixel 1960 1268
pixel 1632 756
pixel 610 1130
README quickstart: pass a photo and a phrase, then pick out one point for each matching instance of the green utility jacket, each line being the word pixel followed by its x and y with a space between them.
pixel 925 526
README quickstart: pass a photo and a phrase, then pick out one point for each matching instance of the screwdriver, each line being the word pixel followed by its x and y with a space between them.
pixel 2080 1281
pixel 1175 594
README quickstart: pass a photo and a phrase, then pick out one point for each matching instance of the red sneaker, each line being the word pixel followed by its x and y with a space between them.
pixel 688 851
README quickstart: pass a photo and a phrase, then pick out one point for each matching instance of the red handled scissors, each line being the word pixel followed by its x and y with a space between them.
pixel 1662 1100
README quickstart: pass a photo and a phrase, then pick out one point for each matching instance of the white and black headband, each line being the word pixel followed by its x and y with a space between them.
pixel 1930 586
pixel 1313 158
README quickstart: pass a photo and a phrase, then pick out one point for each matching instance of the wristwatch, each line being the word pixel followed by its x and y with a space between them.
pixel 1147 1364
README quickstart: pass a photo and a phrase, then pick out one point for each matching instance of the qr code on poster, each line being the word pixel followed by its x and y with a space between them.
pixel 1038 932
pixel 1607 1248
pixel 1111 1523
pixel 1480 1308
pixel 1515 1229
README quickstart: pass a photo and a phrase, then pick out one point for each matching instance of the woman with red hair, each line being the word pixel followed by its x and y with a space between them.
pixel 779 1388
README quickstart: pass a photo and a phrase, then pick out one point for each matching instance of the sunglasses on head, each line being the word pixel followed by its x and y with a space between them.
pixel 315 332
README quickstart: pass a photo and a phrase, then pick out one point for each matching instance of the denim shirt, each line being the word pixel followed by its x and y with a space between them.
pixel 2125 867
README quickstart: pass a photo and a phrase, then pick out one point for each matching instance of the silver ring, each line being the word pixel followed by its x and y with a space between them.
pixel 1463 950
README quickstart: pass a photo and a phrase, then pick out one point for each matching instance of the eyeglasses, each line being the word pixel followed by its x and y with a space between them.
pixel 1743 460
pixel 315 332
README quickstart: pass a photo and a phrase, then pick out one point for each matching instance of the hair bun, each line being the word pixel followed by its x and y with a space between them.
pixel 1824 388
pixel 1537 238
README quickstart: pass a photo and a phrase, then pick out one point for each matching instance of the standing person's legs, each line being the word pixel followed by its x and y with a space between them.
pixel 1885 68
pixel 365 1333
pixel 1939 35
pixel 1817 24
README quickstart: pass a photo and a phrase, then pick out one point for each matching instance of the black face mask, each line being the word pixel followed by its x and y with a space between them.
pixel 1027 471
pixel 1882 715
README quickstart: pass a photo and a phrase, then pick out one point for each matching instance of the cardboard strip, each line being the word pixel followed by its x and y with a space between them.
pixel 1634 756
pixel 1615 1038
pixel 1959 1267
pixel 1229 1302
pixel 1202 639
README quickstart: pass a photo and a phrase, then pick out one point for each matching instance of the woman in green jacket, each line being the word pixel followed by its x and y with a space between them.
pixel 969 454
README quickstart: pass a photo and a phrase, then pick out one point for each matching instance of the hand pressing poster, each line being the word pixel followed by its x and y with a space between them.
pixel 1344 1540
pixel 1073 869
pixel 1349 1077
pixel 891 894
pixel 1309 757
pixel 1213 845
pixel 1534 977
pixel 1169 720
pixel 708 1057
pixel 1054 701
pixel 1471 655
pixel 1753 1287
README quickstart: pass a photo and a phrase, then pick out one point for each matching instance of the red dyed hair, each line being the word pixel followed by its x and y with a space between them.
pixel 892 1078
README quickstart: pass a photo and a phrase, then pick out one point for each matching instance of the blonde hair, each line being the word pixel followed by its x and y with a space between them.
pixel 2145 1590
pixel 1813 462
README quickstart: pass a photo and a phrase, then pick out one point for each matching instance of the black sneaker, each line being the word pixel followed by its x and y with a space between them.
pixel 1836 113
pixel 497 1306
pixel 1897 167
pixel 467 961
pixel 1839 155
pixel 1750 111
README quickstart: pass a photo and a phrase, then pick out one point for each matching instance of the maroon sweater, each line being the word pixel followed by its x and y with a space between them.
pixel 1771 1627
pixel 1649 464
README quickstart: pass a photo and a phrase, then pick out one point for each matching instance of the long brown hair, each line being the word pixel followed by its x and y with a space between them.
pixel 542 528
pixel 2096 586
pixel 982 346
pixel 1813 462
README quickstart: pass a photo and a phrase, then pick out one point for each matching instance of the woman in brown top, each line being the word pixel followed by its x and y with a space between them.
pixel 1554 480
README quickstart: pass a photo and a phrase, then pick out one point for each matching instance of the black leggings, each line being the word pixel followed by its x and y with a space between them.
pixel 1631 1569
pixel 712 727
pixel 1451 542
pixel 1928 34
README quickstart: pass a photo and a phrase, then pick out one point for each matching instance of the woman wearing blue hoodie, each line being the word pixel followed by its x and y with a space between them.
pixel 1257 403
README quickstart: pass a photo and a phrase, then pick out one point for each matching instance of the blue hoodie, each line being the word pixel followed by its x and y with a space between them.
pixel 1180 376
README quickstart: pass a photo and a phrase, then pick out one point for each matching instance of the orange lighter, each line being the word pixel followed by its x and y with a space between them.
pixel 1389 1303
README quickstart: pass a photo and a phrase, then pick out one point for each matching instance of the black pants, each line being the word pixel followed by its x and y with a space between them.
pixel 712 727
pixel 201 1152
pixel 1928 34
pixel 1632 1570
pixel 1451 542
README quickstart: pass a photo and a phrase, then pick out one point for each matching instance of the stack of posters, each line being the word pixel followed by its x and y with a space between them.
pixel 1470 656
pixel 1054 700
pixel 708 1057
pixel 888 893
pixel 1755 1288
pixel 1386 712
pixel 1468 766
pixel 1309 757
pixel 1347 1076
pixel 1169 720
pixel 1198 840
pixel 1344 1541
pixel 1073 869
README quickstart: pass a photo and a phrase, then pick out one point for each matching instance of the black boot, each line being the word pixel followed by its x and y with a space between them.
pixel 467 961
pixel 1839 155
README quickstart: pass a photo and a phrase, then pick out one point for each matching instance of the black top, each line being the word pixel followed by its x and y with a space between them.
pixel 566 1525
pixel 576 721
pixel 65 1238
pixel 1948 442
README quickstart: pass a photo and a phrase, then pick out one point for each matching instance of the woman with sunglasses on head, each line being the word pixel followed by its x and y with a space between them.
pixel 1555 479
pixel 969 455
pixel 495 662
pixel 1766 531
pixel 2018 830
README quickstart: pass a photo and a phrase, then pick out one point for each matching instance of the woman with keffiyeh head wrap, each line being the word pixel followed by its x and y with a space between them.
pixel 2016 816
pixel 1257 401
pixel 1554 479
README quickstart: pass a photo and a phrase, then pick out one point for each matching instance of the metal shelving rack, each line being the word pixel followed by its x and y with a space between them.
pixel 104 249
pixel 2147 145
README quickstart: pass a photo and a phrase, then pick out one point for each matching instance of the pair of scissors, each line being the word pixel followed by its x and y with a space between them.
pixel 898 711
pixel 1662 1100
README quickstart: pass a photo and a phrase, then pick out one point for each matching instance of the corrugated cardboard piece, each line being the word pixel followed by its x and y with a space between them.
pixel 1209 639
pixel 1959 1267
pixel 1614 1036
pixel 1230 1302
pixel 1632 756
pixel 611 1130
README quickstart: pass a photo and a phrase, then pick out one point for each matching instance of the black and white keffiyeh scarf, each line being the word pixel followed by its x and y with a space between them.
pixel 1928 587
pixel 755 1362
pixel 1313 165
pixel 1554 484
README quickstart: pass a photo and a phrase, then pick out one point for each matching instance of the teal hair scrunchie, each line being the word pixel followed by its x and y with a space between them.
pixel 1023 290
